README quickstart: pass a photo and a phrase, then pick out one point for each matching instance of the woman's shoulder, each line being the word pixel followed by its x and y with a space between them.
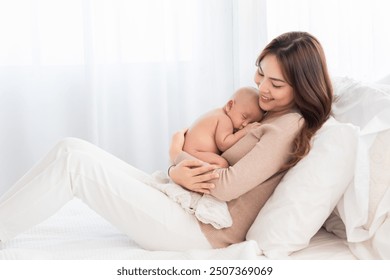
pixel 288 123
pixel 292 118
pixel 281 129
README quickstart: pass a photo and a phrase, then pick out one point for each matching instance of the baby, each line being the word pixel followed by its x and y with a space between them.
pixel 212 134
pixel 218 130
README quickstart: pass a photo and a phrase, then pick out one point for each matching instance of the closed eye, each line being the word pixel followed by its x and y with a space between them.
pixel 275 86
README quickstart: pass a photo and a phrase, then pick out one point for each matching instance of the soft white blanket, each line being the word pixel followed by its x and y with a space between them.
pixel 206 208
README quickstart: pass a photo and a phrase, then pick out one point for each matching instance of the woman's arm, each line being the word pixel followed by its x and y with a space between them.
pixel 258 157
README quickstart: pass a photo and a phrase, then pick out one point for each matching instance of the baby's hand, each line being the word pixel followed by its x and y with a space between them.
pixel 250 126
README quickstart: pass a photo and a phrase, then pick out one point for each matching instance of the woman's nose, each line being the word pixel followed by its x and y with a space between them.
pixel 263 87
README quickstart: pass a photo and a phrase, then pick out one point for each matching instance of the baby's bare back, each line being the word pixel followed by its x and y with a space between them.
pixel 200 137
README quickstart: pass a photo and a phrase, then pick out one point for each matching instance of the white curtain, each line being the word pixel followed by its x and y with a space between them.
pixel 125 74
pixel 354 33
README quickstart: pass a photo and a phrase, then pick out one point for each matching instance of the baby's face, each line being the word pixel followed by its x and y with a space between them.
pixel 244 114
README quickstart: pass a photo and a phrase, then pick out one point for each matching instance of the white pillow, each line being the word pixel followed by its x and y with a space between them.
pixel 358 103
pixel 308 193
pixel 362 104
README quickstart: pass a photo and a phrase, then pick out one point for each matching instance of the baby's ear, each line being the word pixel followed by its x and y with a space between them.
pixel 229 105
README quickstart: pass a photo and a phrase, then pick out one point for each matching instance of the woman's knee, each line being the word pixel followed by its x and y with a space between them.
pixel 71 143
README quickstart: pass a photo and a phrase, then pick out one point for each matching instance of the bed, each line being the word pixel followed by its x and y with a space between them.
pixel 76 232
pixel 334 205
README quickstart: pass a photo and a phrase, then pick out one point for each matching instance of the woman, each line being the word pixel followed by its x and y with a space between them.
pixel 296 93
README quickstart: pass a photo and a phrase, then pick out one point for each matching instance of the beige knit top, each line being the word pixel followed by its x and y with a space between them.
pixel 253 175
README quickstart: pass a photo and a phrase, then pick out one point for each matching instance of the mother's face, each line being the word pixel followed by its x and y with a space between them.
pixel 276 95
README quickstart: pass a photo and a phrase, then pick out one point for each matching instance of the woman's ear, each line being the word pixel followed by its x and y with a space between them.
pixel 229 105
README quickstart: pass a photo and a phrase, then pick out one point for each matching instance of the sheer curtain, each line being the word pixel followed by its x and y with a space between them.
pixel 126 74
pixel 355 33
pixel 123 74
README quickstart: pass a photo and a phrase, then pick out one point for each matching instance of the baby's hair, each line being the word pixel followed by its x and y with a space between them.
pixel 248 96
pixel 248 91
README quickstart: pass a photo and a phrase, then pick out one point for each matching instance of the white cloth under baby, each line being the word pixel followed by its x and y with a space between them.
pixel 206 208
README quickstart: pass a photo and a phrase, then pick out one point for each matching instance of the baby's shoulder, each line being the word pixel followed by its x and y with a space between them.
pixel 209 119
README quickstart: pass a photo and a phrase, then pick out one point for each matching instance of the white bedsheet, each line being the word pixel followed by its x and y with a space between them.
pixel 76 232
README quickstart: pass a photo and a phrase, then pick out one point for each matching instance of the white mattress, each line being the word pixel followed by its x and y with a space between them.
pixel 76 232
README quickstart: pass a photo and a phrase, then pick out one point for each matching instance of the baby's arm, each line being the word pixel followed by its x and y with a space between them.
pixel 211 158
pixel 225 136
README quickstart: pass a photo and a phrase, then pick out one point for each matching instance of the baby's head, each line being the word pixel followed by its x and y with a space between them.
pixel 243 107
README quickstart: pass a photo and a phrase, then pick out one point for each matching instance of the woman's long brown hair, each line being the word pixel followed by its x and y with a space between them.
pixel 303 63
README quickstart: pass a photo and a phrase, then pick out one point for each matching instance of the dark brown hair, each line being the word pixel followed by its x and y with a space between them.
pixel 303 64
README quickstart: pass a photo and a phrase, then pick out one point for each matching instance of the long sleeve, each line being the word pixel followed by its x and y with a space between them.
pixel 256 157
pixel 253 175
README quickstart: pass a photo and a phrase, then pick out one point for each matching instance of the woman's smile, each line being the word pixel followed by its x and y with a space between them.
pixel 265 98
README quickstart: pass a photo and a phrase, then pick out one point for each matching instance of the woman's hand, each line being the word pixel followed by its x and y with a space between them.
pixel 177 144
pixel 194 175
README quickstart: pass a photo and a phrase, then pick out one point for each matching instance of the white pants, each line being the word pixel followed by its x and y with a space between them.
pixel 117 191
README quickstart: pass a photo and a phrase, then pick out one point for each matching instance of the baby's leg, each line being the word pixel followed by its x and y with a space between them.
pixel 211 158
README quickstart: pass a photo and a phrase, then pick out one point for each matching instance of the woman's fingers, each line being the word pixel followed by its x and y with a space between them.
pixel 194 175
pixel 198 167
pixel 203 188
pixel 203 169
pixel 204 178
pixel 202 173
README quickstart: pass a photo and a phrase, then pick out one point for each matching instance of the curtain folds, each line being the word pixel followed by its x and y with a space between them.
pixel 123 74
pixel 126 74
